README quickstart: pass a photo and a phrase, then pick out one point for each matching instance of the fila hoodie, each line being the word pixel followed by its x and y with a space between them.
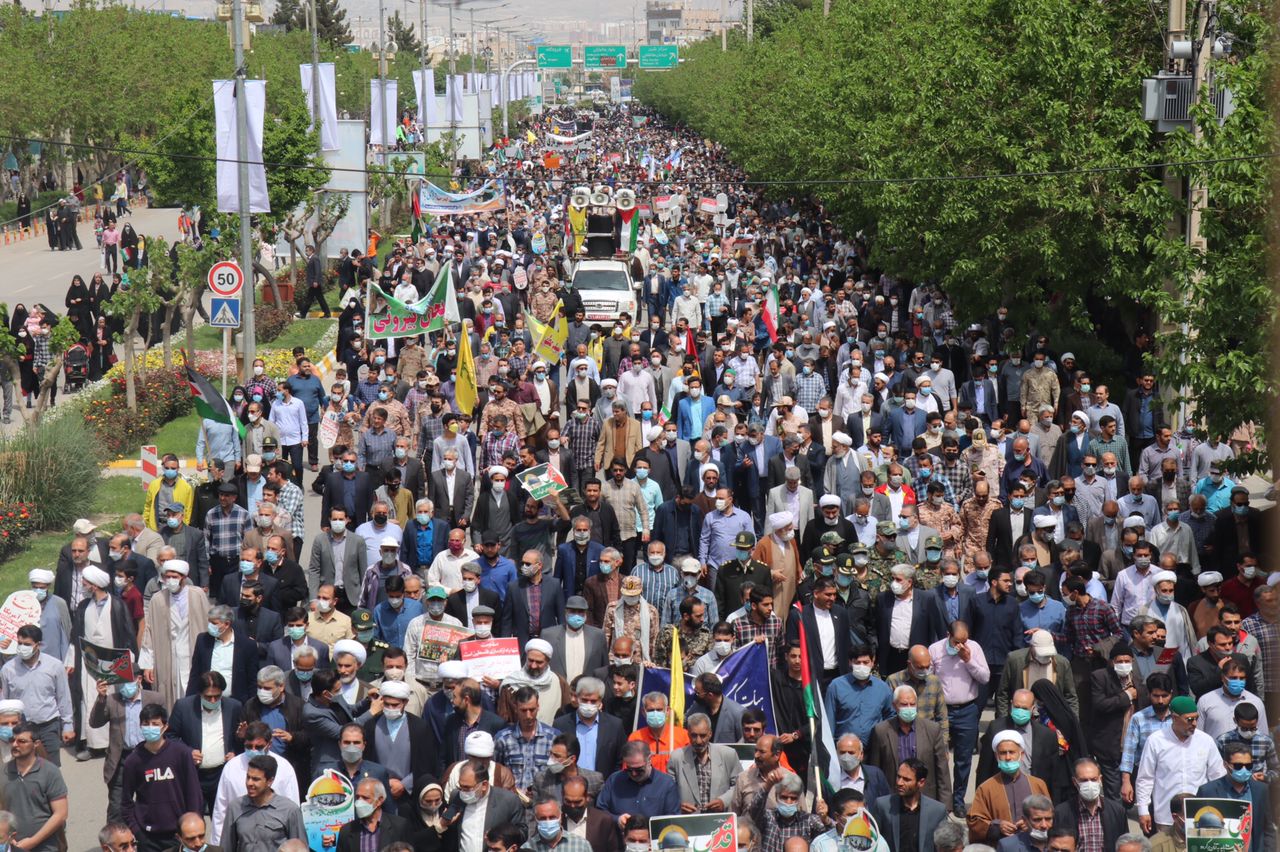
pixel 159 788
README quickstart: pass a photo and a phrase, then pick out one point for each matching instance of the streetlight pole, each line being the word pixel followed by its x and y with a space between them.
pixel 315 101
pixel 242 170
pixel 382 75
pixel 724 25
pixel 751 20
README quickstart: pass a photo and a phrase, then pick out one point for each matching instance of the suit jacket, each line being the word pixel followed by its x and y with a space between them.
pixel 969 396
pixel 456 603
pixel 355 559
pixel 515 611
pixel 184 721
pixel 778 471
pixel 109 710
pixel 298 750
pixel 230 591
pixel 1110 704
pixel 664 528
pixel 424 751
pixel 853 427
pixel 1013 674
pixel 931 747
pixel 1226 547
pixel 280 653
pixel 927 625
pixel 451 507
pixel 1000 535
pixel 725 769
pixel 905 426
pixel 887 811
pixel 964 609
pixel 1115 821
pixel 409 549
pixel 606 452
pixel 610 739
pixel 566 560
pixel 1263 831
pixel 602 831
pixel 777 502
pixel 450 750
pixel 391 829
pixel 268 628
pixel 839 620
pixel 504 808
pixel 594 652
pixel 916 555
pixel 244 664
pixel 363 497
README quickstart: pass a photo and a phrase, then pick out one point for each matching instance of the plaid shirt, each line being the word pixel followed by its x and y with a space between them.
pixel 774 832
pixel 524 757
pixel 373 448
pixel 1089 625
pixel 810 389
pixel 494 447
pixel 930 702
pixel 224 533
pixel 1141 726
pixel 430 427
pixel 582 435
pixel 745 631
pixel 958 477
pixel 912 464
pixel 291 501
pixel 1268 636
pixel 715 301
pixel 1262 747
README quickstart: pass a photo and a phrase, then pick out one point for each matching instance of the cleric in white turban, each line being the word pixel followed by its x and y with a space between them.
pixel 553 690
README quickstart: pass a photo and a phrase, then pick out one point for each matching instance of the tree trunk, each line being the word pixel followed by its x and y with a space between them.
pixel 50 378
pixel 189 318
pixel 130 387
pixel 166 343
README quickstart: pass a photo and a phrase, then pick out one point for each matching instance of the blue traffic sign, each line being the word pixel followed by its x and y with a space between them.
pixel 224 313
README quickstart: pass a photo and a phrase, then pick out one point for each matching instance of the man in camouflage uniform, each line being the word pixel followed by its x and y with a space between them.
pixel 695 636
pixel 734 573
pixel 363 626
pixel 929 571
pixel 543 301
pixel 874 576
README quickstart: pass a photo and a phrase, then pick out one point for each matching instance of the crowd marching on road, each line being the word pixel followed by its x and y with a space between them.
pixel 918 514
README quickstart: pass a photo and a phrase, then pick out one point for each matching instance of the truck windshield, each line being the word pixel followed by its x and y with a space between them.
pixel 600 279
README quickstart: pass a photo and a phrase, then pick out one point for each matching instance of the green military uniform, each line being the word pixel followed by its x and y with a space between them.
pixel 877 577
pixel 731 575
pixel 823 563
pixel 928 574
pixel 362 621
pixel 691 647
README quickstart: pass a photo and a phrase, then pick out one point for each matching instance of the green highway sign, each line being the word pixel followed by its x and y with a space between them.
pixel 558 56
pixel 604 56
pixel 658 56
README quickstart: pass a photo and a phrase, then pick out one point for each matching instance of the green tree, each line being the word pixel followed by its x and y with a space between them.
pixel 402 35
pixel 288 14
pixel 331 21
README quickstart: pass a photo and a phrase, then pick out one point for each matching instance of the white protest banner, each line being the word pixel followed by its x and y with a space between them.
pixel 495 658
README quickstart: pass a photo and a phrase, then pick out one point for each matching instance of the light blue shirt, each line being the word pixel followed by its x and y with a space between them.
pixel 221 658
pixel 652 494
pixel 253 494
pixel 856 707
pixel 1052 617
pixel 133 721
pixel 218 441
pixel 718 532
pixel 588 737
pixel 290 417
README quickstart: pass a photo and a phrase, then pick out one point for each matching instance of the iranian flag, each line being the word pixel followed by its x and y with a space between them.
pixel 770 314
pixel 211 404
pixel 630 229
pixel 824 762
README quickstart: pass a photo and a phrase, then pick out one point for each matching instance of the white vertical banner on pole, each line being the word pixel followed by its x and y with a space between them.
pixel 453 96
pixel 328 104
pixel 228 175
pixel 513 87
pixel 384 105
pixel 424 87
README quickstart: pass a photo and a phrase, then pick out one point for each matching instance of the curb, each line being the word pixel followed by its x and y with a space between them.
pixel 125 464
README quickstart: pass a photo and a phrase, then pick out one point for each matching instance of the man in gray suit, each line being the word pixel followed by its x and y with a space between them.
pixel 450 491
pixel 910 778
pixel 708 693
pixel 338 546
pixel 780 497
pixel 722 759
pixel 929 742
pixel 591 652
pixel 911 541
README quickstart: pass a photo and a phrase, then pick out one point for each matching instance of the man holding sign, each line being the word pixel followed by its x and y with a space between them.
pixel 103 620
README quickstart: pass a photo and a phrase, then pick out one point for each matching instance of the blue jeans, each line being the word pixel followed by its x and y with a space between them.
pixel 964 736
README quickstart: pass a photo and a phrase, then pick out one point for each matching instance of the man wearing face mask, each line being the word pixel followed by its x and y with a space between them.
pixel 160 783
pixel 1239 784
pixel 117 709
pixel 639 789
pixel 165 489
pixel 1216 708
pixel 479 811
pixel 1097 820
pixel 394 614
pixel 231 784
pixel 401 742
pixel 187 541
pixel 375 825
pixel 168 642
pixel 1117 692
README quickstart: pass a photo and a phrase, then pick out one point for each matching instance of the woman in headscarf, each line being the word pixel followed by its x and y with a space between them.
pixel 27 351
pixel 129 246
pixel 426 831
pixel 102 348
pixel 1053 711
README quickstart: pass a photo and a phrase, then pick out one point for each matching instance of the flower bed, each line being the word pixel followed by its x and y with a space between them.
pixel 17 524
pixel 162 396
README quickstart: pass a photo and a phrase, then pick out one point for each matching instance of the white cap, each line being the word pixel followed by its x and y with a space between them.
pixel 395 689
pixel 478 744
pixel 1068 356
pixel 609 383
pixel 1082 417
pixel 921 379
pixel 12 705
pixel 96 576
pixel 1164 576
pixel 84 526
pixel 352 647
pixel 179 565
pixel 1042 640
pixel 1042 522
pixel 539 645
pixel 1208 578
pixel 828 500
pixel 498 470
pixel 652 433
pixel 707 468
pixel 1007 737
pixel 453 669
pixel 39 575
pixel 1134 521
pixel 778 520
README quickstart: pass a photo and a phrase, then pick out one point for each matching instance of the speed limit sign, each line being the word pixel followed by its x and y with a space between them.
pixel 226 279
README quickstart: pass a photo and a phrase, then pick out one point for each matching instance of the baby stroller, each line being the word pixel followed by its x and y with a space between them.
pixel 75 366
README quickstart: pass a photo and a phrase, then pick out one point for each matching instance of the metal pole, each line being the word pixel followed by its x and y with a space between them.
pixel 242 167
pixel 471 38
pixel 1198 191
pixel 315 102
pixel 751 20
pixel 382 76
pixel 506 75
pixel 724 25
pixel 226 351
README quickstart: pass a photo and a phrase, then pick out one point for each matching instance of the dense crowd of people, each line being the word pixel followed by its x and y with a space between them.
pixel 925 515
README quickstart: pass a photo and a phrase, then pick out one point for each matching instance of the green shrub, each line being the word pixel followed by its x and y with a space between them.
pixel 270 322
pixel 54 470
pixel 163 395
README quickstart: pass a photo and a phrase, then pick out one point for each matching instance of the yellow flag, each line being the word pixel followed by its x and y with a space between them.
pixel 465 391
pixel 529 135
pixel 595 349
pixel 676 699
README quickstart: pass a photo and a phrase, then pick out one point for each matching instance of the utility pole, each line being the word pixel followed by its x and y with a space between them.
pixel 751 20
pixel 242 170
pixel 724 25
pixel 1201 90
pixel 315 102
pixel 382 86
pixel 826 8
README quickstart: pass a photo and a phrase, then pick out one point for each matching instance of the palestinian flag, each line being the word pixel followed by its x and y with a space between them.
pixel 771 313
pixel 211 404
pixel 630 229
pixel 824 761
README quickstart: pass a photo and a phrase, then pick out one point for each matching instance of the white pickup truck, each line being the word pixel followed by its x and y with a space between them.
pixel 606 289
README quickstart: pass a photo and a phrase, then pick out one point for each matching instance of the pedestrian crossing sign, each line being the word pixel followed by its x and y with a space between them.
pixel 225 313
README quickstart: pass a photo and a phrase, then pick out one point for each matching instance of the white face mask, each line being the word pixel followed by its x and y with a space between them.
pixel 483 630
pixel 721 504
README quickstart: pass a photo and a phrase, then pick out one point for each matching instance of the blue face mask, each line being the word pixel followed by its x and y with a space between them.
pixel 209 705
pixel 1173 516
pixel 268 456
pixel 1019 457
pixel 926 472
pixel 423 519
pixel 980 573
pixel 575 621
pixel 1020 716
pixel 1235 685
pixel 646 415
pixel 1059 500
pixel 1241 510
pixel 170 474
pixel 1036 597
pixel 128 690
pixel 744 555
pixel 655 718
pixel 271 557
pixel 214 631
pixel 304 676
pixel 173 522
pixel 932 555
pixel 279 396
pixel 380 360
pixel 246 567
pixel 1017 503
pixel 907 714
pixel 349 467
pixel 257 397
pixel 295 632
pixel 1010 767
pixel 786 810
pixel 6 732
pixel 1241 775
pixel 642 473
pixel 606 568
pixel 548 829
pixel 151 733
